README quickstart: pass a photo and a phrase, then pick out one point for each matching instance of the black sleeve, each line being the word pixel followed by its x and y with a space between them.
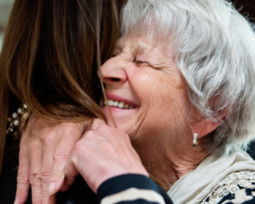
pixel 131 189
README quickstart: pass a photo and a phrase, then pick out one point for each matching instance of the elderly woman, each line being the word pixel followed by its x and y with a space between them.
pixel 185 96
pixel 180 85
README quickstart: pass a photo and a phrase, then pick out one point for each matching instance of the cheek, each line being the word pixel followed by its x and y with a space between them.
pixel 161 90
pixel 165 107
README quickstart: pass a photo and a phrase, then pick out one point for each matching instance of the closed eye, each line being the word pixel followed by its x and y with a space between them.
pixel 141 62
pixel 148 64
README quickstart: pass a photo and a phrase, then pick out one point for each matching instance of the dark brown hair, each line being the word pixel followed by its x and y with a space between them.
pixel 50 56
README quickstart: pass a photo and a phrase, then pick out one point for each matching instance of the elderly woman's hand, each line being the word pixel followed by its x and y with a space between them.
pixel 44 159
pixel 104 152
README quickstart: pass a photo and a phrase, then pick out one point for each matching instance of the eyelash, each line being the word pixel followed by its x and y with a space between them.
pixel 140 62
pixel 136 61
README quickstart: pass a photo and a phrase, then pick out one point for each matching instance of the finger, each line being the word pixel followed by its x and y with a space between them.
pixel 69 180
pixel 61 157
pixel 35 149
pixel 100 128
pixel 47 162
pixel 98 123
pixel 23 174
pixel 49 200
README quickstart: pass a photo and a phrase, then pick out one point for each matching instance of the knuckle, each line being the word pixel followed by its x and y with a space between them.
pixel 79 146
pixel 97 123
pixel 61 156
pixel 22 178
pixel 47 138
pixel 35 179
pixel 46 175
pixel 69 127
pixel 23 167
pixel 89 134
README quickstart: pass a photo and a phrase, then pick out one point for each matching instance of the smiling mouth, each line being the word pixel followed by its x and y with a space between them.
pixel 118 104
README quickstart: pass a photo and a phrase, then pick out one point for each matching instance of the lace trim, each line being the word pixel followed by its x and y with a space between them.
pixel 230 184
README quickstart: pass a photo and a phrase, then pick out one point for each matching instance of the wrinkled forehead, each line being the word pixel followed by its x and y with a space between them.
pixel 144 37
pixel 144 29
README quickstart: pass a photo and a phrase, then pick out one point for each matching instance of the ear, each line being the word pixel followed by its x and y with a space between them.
pixel 203 126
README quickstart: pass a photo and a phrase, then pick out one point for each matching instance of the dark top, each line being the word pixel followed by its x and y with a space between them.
pixel 132 189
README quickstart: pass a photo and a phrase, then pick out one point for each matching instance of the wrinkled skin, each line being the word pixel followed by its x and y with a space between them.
pixel 48 164
pixel 104 152
pixel 44 158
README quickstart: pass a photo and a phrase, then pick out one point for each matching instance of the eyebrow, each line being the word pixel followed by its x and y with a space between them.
pixel 140 48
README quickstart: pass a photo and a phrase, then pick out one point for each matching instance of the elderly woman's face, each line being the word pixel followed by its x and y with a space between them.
pixel 146 95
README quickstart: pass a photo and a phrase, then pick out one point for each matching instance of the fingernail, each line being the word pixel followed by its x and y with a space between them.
pixel 52 188
pixel 16 202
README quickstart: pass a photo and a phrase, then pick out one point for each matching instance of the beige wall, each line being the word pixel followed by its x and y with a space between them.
pixel 1 40
pixel 5 7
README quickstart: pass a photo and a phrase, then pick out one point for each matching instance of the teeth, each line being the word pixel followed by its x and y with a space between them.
pixel 118 104
pixel 115 103
pixel 121 104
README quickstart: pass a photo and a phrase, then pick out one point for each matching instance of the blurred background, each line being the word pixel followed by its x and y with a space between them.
pixel 247 7
pixel 5 7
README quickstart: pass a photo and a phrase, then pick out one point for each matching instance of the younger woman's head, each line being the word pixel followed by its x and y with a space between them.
pixel 50 56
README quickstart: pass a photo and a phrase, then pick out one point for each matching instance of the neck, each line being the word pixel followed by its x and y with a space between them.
pixel 170 163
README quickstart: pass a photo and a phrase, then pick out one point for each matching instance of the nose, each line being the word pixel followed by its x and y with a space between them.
pixel 113 71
